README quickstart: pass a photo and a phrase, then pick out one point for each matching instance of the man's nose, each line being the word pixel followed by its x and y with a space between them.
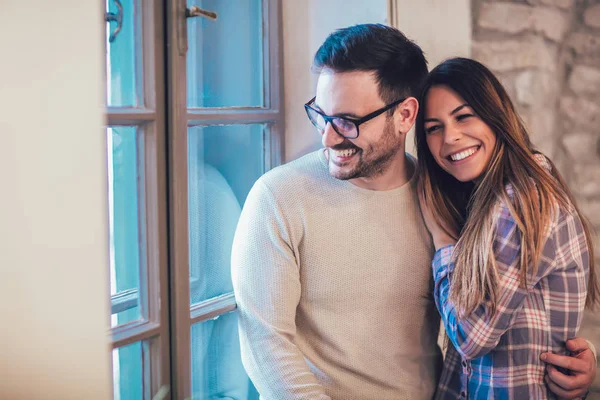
pixel 329 137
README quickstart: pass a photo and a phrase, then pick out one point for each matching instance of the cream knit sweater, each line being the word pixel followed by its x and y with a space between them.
pixel 334 290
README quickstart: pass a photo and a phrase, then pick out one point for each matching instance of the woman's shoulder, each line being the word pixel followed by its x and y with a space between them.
pixel 558 213
pixel 504 203
pixel 543 161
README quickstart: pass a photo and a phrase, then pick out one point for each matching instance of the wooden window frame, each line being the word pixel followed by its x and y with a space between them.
pixel 179 119
pixel 162 120
pixel 149 118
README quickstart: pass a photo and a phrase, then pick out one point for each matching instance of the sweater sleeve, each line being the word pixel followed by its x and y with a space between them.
pixel 266 281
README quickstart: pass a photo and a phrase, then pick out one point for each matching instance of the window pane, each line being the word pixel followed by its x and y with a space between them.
pixel 225 57
pixel 223 164
pixel 123 174
pixel 121 68
pixel 128 372
pixel 217 371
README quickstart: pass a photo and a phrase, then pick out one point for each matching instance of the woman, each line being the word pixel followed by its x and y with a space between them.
pixel 513 267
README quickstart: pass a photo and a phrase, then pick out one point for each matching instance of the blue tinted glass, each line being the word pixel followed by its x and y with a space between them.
pixel 121 68
pixel 127 372
pixel 217 370
pixel 223 164
pixel 344 125
pixel 225 57
pixel 123 174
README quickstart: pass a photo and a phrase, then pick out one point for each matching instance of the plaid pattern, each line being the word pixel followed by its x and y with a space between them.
pixel 497 356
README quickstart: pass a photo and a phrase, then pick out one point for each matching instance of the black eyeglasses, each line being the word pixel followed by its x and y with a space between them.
pixel 345 127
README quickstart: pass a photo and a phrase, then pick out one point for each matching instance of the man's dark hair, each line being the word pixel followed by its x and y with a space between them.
pixel 398 63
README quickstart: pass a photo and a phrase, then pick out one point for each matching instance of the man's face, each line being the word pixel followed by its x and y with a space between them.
pixel 354 95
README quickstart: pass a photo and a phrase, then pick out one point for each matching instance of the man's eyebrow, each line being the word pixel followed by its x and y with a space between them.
pixel 457 109
pixel 342 115
pixel 347 115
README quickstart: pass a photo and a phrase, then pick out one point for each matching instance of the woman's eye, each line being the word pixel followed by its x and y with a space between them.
pixel 463 116
pixel 432 129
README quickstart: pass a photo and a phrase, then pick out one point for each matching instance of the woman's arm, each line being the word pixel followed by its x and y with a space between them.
pixel 480 332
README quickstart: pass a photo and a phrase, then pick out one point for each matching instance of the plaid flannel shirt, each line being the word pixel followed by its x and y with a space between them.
pixel 498 356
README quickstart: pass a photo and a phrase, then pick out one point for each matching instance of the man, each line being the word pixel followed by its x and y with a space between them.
pixel 331 259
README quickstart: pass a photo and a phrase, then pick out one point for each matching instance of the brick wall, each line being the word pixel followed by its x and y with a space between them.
pixel 547 54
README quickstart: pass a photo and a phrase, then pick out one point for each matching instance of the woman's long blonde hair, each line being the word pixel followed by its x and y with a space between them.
pixel 468 208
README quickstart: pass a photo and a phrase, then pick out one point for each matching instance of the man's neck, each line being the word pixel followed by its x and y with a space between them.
pixel 397 174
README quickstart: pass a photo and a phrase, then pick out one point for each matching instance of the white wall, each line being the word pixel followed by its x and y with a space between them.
pixel 53 202
pixel 441 27
pixel 306 24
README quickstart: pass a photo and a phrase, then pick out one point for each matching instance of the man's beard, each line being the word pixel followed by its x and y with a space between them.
pixel 377 158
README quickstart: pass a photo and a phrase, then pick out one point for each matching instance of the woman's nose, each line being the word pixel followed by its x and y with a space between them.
pixel 452 134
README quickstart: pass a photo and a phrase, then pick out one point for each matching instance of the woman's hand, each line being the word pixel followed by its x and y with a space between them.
pixel 439 235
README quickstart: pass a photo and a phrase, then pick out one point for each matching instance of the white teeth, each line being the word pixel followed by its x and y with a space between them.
pixel 463 154
pixel 343 153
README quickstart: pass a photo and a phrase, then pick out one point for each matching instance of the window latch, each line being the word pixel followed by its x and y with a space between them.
pixel 115 17
pixel 196 11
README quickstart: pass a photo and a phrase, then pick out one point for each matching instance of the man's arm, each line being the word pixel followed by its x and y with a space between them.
pixel 581 366
pixel 266 281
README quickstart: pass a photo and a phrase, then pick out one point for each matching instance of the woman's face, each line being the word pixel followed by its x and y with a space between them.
pixel 460 142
